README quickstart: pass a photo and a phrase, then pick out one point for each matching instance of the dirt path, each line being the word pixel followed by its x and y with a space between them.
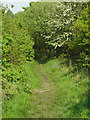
pixel 43 97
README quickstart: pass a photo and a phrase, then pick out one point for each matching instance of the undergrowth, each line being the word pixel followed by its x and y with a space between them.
pixel 17 89
pixel 71 90
pixel 70 93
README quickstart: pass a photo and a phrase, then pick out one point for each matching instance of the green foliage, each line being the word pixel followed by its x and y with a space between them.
pixel 12 6
pixel 80 43
pixel 16 107
pixel 14 81
pixel 56 25
pixel 41 32
pixel 18 85
pixel 70 94
pixel 35 20
pixel 19 44
pixel 60 22
pixel 17 48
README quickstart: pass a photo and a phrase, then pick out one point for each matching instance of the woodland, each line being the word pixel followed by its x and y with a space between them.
pixel 45 60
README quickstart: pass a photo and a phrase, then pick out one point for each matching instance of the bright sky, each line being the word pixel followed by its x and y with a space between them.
pixel 18 4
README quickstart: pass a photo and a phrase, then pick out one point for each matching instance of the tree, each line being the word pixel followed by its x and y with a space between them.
pixel 80 43
pixel 12 6
pixel 35 17
pixel 59 30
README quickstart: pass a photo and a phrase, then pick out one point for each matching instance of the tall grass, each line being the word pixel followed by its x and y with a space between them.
pixel 71 90
pixel 69 93
pixel 19 105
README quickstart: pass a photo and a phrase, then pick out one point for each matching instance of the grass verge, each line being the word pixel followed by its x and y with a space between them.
pixel 71 90
pixel 68 98
pixel 19 105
